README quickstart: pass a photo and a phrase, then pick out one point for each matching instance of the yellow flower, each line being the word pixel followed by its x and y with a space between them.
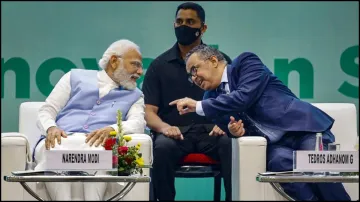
pixel 140 161
pixel 127 138
pixel 113 133
pixel 138 146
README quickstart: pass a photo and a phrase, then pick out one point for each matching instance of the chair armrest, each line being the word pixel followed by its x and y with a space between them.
pixel 14 152
pixel 13 138
pixel 13 158
pixel 16 139
pixel 249 159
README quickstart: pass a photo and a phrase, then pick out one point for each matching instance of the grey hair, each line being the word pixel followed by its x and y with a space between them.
pixel 118 48
pixel 204 52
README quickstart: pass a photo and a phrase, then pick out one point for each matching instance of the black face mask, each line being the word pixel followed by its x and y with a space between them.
pixel 187 35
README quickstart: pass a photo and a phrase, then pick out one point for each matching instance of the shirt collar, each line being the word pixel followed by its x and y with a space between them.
pixel 174 53
pixel 224 77
pixel 105 78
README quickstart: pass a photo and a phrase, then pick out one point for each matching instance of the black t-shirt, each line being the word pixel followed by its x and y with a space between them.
pixel 166 80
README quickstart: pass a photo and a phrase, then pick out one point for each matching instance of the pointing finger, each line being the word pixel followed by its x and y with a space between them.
pixel 174 102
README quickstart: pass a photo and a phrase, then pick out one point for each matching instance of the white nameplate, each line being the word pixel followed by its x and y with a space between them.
pixel 340 161
pixel 78 160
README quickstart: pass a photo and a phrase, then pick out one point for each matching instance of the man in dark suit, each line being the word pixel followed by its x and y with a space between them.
pixel 248 90
pixel 176 136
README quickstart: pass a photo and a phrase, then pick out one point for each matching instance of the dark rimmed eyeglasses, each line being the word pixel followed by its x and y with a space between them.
pixel 192 73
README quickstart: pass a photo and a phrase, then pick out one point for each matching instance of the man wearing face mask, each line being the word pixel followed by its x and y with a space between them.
pixel 81 111
pixel 176 136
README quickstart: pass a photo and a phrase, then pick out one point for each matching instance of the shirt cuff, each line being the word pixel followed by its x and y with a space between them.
pixel 115 127
pixel 199 109
pixel 47 126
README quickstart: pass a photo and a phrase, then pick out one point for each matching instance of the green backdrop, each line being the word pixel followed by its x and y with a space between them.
pixel 311 46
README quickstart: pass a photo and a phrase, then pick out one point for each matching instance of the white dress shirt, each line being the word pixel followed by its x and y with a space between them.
pixel 135 122
pixel 224 79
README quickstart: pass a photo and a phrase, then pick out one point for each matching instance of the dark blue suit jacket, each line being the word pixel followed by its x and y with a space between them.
pixel 258 92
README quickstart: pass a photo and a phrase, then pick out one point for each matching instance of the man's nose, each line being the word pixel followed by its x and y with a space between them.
pixel 140 71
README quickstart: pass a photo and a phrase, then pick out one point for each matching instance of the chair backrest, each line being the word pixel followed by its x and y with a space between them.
pixel 345 125
pixel 28 116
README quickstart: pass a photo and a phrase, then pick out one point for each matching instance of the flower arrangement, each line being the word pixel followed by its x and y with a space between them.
pixel 127 159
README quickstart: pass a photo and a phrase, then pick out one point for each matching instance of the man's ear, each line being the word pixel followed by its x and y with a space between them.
pixel 214 61
pixel 203 29
pixel 114 62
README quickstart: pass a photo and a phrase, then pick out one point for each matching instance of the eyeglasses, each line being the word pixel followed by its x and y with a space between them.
pixel 192 73
pixel 135 64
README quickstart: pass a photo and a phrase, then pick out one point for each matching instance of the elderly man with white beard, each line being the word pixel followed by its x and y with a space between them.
pixel 85 103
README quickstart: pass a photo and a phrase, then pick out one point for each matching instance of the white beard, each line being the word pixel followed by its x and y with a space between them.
pixel 122 77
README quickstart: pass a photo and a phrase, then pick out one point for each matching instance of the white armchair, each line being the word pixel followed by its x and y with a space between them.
pixel 16 154
pixel 249 155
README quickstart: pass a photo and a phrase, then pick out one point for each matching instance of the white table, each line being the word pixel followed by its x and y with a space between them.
pixel 274 180
pixel 61 177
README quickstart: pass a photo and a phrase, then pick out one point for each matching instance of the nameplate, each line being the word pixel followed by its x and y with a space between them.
pixel 325 161
pixel 78 160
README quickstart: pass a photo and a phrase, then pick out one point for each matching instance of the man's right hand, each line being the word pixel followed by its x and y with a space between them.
pixel 172 132
pixel 236 128
pixel 52 134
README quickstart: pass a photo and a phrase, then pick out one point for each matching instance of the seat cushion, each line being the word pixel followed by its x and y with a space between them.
pixel 197 158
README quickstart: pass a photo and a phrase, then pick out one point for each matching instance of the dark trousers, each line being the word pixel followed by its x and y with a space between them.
pixel 168 152
pixel 280 158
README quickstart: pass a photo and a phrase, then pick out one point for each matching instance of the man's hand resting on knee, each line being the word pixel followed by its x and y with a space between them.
pixel 98 136
pixel 216 131
pixel 52 134
pixel 172 132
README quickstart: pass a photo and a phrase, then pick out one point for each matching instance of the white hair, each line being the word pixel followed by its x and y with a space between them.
pixel 118 48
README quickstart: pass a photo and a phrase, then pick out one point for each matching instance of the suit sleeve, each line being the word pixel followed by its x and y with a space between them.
pixel 253 79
